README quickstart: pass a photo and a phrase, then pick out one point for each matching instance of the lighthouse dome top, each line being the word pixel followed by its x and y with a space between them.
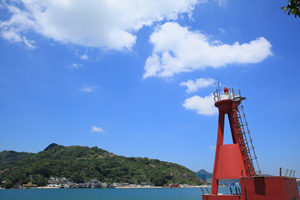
pixel 227 93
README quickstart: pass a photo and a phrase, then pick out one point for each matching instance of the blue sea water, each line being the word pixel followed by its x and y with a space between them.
pixel 106 194
pixel 103 194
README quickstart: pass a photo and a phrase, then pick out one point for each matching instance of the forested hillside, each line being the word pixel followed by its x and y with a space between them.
pixel 83 163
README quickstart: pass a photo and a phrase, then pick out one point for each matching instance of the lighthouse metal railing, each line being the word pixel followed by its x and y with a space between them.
pixel 234 95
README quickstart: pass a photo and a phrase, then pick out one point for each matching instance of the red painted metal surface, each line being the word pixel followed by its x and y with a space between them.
pixel 222 197
pixel 291 188
pixel 231 162
pixel 270 188
pixel 229 159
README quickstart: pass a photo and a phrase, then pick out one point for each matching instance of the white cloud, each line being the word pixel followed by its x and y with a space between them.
pixel 97 129
pixel 204 106
pixel 75 65
pixel 13 36
pixel 221 2
pixel 193 86
pixel 88 89
pixel 176 50
pixel 12 29
pixel 211 147
pixel 109 24
pixel 84 57
pixel 221 30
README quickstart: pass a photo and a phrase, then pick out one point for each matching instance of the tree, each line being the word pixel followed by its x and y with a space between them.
pixel 39 180
pixel 292 7
pixel 44 171
pixel 9 185
pixel 78 178
pixel 159 181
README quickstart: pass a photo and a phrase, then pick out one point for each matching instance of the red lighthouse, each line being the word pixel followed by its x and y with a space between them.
pixel 236 160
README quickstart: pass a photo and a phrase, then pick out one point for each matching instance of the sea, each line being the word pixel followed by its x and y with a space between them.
pixel 108 194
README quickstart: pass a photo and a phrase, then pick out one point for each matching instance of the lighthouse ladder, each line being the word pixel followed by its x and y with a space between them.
pixel 247 147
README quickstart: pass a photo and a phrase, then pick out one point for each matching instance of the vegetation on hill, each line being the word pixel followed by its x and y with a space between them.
pixel 50 146
pixel 8 158
pixel 83 163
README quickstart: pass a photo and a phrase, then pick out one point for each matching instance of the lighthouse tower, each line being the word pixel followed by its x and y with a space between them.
pixel 236 160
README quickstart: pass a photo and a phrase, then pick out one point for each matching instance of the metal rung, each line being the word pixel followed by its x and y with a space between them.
pixel 247 147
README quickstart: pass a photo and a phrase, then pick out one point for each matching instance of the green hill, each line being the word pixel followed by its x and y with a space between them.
pixel 50 146
pixel 8 158
pixel 83 163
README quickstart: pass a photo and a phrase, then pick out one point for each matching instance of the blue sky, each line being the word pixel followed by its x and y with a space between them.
pixel 136 78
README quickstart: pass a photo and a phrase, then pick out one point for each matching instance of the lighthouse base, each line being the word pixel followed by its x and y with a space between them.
pixel 221 197
pixel 262 188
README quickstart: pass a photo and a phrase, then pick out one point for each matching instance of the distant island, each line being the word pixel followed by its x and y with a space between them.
pixel 80 164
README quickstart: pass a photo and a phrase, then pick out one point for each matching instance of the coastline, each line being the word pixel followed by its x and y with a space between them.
pixel 125 187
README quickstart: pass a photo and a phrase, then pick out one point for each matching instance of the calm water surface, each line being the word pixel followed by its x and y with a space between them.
pixel 103 194
pixel 106 194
